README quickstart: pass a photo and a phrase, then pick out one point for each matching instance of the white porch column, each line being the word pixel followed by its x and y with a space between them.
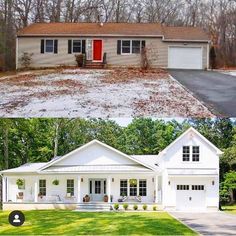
pixel 156 188
pixel 4 199
pixel 79 189
pixel 36 189
pixel 109 188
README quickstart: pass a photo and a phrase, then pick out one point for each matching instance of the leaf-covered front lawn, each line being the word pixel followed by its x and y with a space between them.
pixel 230 209
pixel 70 222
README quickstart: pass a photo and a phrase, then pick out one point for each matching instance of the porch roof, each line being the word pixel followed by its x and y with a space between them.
pixel 96 169
pixel 26 168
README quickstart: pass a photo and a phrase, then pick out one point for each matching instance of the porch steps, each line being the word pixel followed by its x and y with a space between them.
pixel 93 207
pixel 94 65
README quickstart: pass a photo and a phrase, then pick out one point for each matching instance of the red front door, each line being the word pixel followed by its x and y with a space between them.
pixel 97 50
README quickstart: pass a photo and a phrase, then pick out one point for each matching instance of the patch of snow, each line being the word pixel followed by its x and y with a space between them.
pixel 233 73
pixel 93 97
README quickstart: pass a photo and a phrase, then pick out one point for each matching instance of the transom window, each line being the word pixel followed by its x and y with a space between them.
pixel 130 46
pixel 70 187
pixel 49 46
pixel 186 153
pixel 123 187
pixel 197 187
pixel 182 187
pixel 77 46
pixel 195 155
pixel 142 187
pixel 42 187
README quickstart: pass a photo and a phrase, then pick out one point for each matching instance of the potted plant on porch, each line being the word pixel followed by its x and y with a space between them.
pixel 105 198
pixel 86 198
pixel 20 183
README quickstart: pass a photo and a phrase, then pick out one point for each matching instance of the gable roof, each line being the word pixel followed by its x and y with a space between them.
pixel 191 129
pixel 54 161
pixel 115 29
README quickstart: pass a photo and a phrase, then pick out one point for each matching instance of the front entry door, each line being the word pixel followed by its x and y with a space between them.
pixel 97 189
pixel 97 50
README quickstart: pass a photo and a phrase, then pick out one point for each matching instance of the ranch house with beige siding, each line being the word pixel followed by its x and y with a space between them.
pixel 113 44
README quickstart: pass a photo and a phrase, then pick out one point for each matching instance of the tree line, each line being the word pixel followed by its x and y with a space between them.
pixel 39 140
pixel 217 17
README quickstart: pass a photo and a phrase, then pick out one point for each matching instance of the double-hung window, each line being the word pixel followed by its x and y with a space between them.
pixel 49 46
pixel 186 153
pixel 77 46
pixel 123 187
pixel 142 188
pixel 136 46
pixel 70 187
pixel 133 189
pixel 42 187
pixel 126 47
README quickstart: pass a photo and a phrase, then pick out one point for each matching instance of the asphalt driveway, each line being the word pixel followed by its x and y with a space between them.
pixel 216 90
pixel 214 223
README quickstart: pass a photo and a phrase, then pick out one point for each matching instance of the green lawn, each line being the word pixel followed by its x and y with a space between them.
pixel 230 209
pixel 69 222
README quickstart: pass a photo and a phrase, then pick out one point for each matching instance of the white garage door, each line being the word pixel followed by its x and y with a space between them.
pixel 185 58
pixel 190 197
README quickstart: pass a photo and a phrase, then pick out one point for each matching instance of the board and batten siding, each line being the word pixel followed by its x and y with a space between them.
pixel 157 52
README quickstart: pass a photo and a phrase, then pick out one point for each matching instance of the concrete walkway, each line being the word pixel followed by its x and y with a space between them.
pixel 212 223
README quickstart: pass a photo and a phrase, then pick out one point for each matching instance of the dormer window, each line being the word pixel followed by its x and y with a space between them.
pixel 191 151
pixel 186 153
pixel 195 155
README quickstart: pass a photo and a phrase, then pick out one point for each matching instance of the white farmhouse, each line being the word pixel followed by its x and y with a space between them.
pixel 184 176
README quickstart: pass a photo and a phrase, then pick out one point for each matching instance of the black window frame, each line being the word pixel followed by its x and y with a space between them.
pixel 195 155
pixel 199 187
pixel 182 187
pixel 43 187
pixel 123 187
pixel 185 154
pixel 143 187
pixel 70 185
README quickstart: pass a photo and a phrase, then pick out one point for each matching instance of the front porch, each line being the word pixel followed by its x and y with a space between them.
pixel 67 191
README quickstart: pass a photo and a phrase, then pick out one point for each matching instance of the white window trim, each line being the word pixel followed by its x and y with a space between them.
pixel 45 43
pixel 191 154
pixel 126 53
pixel 131 46
pixel 72 47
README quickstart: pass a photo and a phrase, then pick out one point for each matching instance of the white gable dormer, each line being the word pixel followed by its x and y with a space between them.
pixel 185 151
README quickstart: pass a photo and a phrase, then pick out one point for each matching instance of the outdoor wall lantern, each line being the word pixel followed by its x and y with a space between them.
pixel 153 180
pixel 112 179
pixel 169 182
pixel 213 182
pixel 82 180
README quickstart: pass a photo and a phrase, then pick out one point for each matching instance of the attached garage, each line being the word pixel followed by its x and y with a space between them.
pixel 180 57
pixel 190 198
